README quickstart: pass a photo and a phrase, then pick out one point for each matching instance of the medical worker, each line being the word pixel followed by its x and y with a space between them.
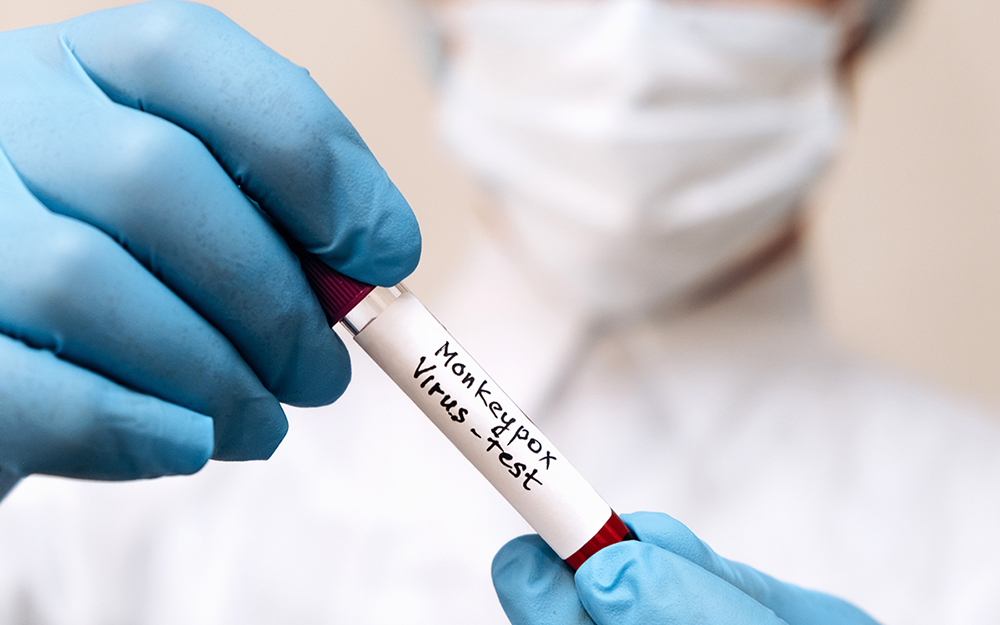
pixel 649 162
pixel 647 159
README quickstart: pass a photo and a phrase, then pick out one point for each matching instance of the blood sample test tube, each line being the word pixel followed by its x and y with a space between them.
pixel 464 402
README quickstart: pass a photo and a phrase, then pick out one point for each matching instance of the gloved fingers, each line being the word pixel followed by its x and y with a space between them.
pixel 69 288
pixel 8 480
pixel 59 419
pixel 795 605
pixel 266 121
pixel 534 585
pixel 633 583
pixel 666 532
pixel 157 190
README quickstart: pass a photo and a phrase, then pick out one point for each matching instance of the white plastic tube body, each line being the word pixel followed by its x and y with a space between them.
pixel 429 365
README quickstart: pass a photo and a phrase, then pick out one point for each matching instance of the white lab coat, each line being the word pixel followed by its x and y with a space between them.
pixel 737 418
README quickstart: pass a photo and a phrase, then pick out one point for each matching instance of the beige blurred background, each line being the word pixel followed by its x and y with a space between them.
pixel 905 235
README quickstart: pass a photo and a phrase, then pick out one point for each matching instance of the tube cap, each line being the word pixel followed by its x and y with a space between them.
pixel 337 294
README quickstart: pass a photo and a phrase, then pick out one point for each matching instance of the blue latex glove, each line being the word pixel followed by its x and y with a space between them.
pixel 151 315
pixel 668 577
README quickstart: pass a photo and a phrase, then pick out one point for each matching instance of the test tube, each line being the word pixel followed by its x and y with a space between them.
pixel 462 400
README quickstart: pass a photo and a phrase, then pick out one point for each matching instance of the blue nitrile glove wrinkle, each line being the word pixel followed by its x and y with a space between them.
pixel 668 576
pixel 151 315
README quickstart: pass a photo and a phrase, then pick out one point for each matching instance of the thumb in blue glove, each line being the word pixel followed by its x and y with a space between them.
pixel 668 576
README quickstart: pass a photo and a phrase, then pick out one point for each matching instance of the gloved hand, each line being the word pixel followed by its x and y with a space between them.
pixel 151 315
pixel 669 576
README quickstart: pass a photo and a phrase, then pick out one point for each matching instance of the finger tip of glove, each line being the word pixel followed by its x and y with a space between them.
pixel 266 441
pixel 407 257
pixel 399 240
pixel 531 580
pixel 317 377
pixel 395 232
pixel 253 433
pixel 515 550
pixel 525 563
pixel 156 439
pixel 152 439
pixel 381 248
pixel 666 532
pixel 195 446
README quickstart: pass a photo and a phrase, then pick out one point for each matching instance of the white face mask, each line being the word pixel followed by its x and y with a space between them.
pixel 640 147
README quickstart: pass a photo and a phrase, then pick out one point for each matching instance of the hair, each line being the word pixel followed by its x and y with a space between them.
pixel 874 19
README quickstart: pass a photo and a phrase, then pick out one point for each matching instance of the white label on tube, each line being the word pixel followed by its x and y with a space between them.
pixel 420 356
